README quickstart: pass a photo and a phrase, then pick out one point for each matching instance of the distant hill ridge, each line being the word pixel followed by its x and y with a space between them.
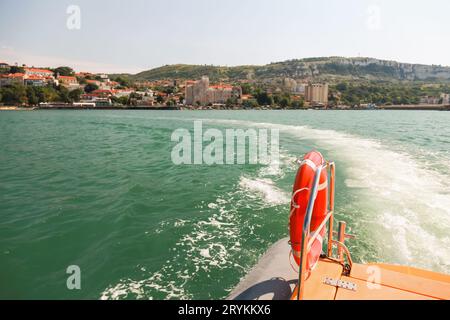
pixel 321 68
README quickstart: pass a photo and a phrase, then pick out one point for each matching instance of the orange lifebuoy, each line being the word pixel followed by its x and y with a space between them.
pixel 301 193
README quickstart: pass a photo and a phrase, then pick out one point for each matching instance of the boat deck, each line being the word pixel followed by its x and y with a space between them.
pixel 273 278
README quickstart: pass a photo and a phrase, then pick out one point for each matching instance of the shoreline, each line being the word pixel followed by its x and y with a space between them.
pixel 187 108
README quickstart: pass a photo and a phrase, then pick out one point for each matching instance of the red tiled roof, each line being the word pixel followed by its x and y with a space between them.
pixel 221 86
pixel 38 70
pixel 35 77
pixel 15 75
pixel 83 74
pixel 101 92
pixel 67 78
pixel 123 90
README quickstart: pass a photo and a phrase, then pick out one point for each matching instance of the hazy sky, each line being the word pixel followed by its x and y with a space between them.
pixel 134 35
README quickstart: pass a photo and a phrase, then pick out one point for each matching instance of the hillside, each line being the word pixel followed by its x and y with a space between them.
pixel 184 71
pixel 327 68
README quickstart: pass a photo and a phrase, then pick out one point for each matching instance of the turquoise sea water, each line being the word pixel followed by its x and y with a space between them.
pixel 98 189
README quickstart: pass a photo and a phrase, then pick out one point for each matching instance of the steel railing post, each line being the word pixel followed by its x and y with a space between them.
pixel 331 220
pixel 305 232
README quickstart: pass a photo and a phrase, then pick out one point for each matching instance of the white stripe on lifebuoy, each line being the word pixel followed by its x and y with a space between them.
pixel 314 265
pixel 309 163
pixel 319 238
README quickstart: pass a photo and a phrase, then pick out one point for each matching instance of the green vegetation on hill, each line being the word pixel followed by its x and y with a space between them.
pixel 64 71
pixel 321 69
pixel 185 71
pixel 18 94
pixel 383 93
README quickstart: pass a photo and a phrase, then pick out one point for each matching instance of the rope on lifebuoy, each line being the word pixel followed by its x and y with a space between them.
pixel 294 207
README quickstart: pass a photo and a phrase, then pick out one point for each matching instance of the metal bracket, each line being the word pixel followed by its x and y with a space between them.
pixel 346 235
pixel 340 283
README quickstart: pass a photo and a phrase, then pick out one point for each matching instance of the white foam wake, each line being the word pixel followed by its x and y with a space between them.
pixel 209 246
pixel 266 189
pixel 405 206
pixel 400 207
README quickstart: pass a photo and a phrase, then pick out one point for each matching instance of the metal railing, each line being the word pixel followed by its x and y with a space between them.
pixel 306 245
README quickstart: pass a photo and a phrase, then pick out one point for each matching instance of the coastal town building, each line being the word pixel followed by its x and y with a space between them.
pixel 12 78
pixel 99 97
pixel 103 76
pixel 143 98
pixel 316 93
pixel 108 85
pixel 113 84
pixel 429 100
pixel 39 72
pixel 201 92
pixel 445 98
pixel 119 93
pixel 69 82
pixel 26 79
pixel 4 65
pixel 293 86
pixel 97 101
pixel 34 80
pixel 96 82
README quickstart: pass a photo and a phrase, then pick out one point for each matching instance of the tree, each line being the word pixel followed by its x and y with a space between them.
pixel 263 98
pixel 159 99
pixel 32 96
pixel 117 100
pixel 81 80
pixel 250 104
pixel 64 71
pixel 285 102
pixel 75 95
pixel 15 94
pixel 231 102
pixel 341 86
pixel 246 88
pixel 4 70
pixel 123 81
pixel 298 104
pixel 47 94
pixel 90 87
pixel 123 100
pixel 169 90
pixel 276 99
pixel 16 69
pixel 63 94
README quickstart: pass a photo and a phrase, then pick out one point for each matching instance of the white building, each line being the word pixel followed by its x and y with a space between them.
pixel 316 93
pixel 4 65
pixel 40 72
